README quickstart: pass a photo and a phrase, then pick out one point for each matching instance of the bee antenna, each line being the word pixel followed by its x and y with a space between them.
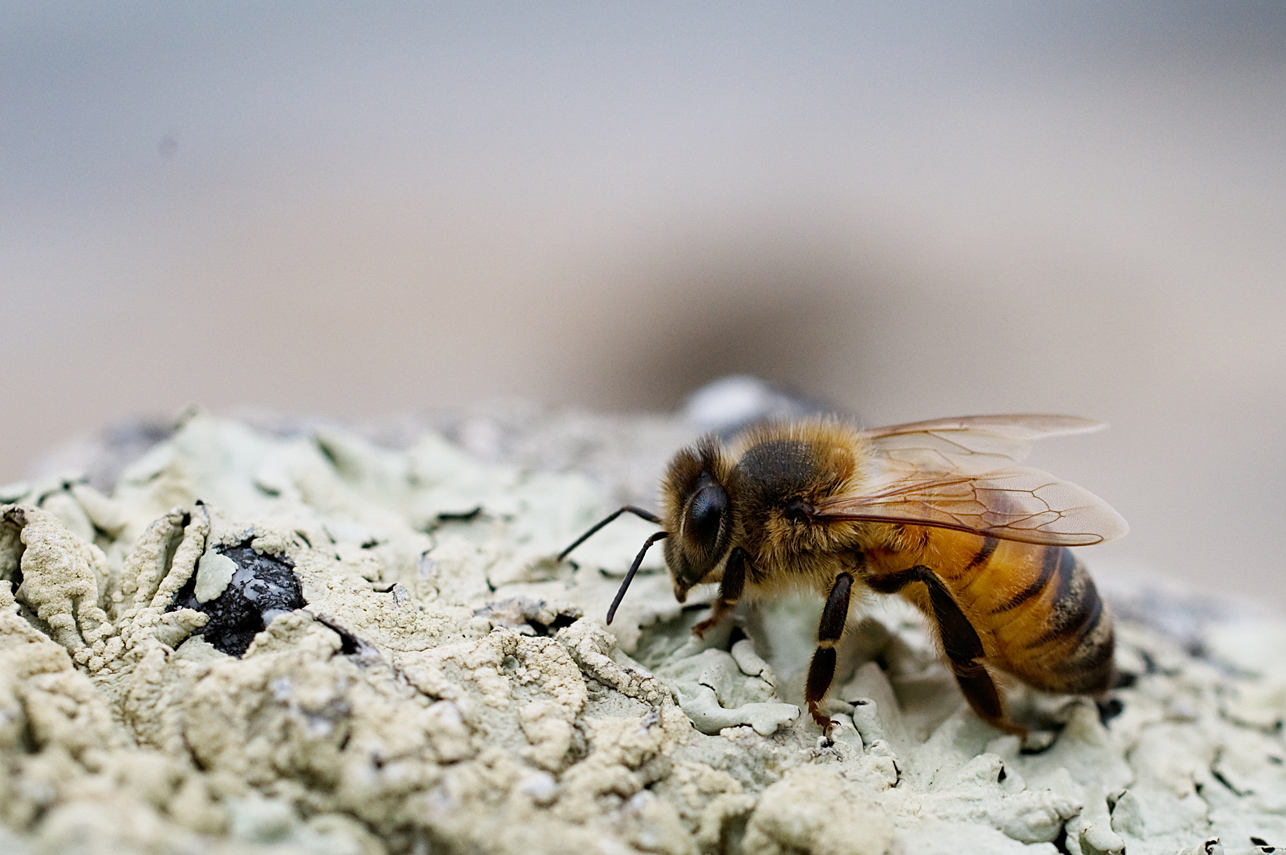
pixel 638 512
pixel 634 568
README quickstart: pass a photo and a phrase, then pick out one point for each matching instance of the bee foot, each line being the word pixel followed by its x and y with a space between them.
pixel 826 723
pixel 828 749
pixel 702 628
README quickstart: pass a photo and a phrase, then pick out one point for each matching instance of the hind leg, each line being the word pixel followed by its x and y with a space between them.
pixel 960 642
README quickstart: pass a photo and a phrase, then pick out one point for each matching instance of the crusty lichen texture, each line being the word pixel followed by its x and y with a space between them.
pixel 445 685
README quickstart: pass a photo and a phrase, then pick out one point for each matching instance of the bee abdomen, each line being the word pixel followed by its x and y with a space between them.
pixel 1090 667
pixel 1056 560
pixel 1076 607
pixel 1071 649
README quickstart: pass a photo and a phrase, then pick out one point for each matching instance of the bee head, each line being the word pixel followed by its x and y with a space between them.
pixel 697 514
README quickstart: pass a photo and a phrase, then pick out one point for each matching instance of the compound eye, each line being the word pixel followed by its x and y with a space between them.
pixel 705 517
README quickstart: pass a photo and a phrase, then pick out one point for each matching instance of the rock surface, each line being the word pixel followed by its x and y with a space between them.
pixel 300 640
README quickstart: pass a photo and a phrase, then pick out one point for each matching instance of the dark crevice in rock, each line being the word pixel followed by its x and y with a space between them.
pixel 350 644
pixel 1218 776
pixel 1109 709
pixel 1060 842
pixel 460 516
pixel 529 617
pixel 12 547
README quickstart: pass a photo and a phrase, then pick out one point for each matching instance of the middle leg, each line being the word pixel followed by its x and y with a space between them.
pixel 821 671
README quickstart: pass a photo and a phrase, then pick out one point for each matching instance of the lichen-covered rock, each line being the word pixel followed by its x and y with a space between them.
pixel 302 642
pixel 813 810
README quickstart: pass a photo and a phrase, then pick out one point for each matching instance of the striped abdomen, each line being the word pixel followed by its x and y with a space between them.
pixel 1034 608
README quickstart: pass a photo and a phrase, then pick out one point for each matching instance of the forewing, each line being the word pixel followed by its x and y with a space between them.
pixel 971 445
pixel 1014 504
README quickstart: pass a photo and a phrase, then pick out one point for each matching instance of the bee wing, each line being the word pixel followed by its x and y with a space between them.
pixel 971 445
pixel 1014 504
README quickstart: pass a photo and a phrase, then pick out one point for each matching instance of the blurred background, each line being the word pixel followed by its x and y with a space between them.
pixel 912 209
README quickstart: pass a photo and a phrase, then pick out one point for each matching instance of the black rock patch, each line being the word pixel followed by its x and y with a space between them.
pixel 262 587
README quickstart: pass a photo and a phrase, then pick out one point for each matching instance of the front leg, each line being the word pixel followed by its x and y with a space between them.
pixel 730 588
pixel 821 671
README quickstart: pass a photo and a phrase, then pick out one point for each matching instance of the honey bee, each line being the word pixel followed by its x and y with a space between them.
pixel 934 511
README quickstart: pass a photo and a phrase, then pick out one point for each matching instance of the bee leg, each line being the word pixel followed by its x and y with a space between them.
pixel 960 642
pixel 980 691
pixel 730 588
pixel 821 671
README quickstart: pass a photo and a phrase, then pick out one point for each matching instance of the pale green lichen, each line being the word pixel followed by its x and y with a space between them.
pixel 449 686
pixel 213 573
